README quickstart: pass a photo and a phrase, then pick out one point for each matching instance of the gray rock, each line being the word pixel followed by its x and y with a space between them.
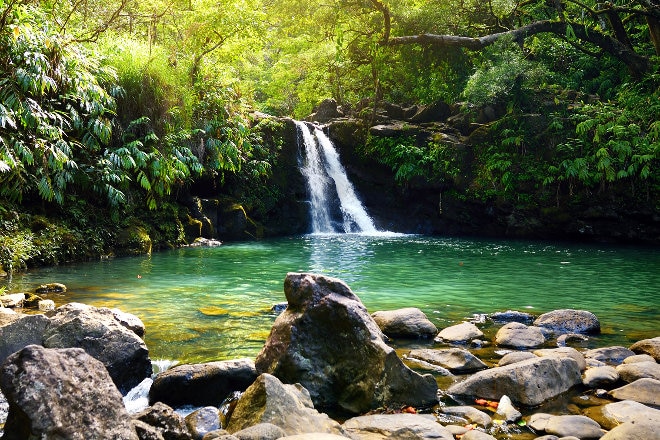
pixel 475 434
pixel 169 424
pixel 581 427
pixel 530 382
pixel 648 346
pixel 569 321
pixel 96 330
pixel 58 394
pixel 202 421
pixel 512 316
pixel 571 338
pixel 315 436
pixel 327 342
pixel 633 431
pixel 547 437
pixel 515 356
pixel 146 432
pixel 8 316
pixel 202 384
pixel 395 426
pixel 506 411
pixel 469 413
pixel 130 321
pixel 455 360
pixel 325 111
pixel 517 335
pixel 290 407
pixel 563 352
pixel 261 431
pixel 409 322
pixel 538 421
pixel 638 358
pixel 600 376
pixel 24 331
pixel 460 333
pixel 614 414
pixel 12 300
pixel 639 370
pixel 220 434
pixel 610 355
pixel 435 112
pixel 645 390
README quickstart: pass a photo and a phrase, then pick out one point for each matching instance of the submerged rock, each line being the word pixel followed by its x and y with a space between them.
pixel 327 341
pixel 409 322
pixel 645 390
pixel 395 426
pixel 569 321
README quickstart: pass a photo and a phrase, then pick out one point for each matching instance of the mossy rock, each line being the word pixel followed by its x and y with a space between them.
pixel 192 228
pixel 133 240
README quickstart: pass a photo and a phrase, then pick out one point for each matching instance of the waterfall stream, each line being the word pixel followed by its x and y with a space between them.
pixel 335 207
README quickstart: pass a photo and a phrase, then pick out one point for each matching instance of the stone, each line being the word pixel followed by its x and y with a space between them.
pixel 517 335
pixel 638 358
pixel 530 382
pixel 409 322
pixel 59 394
pixel 130 321
pixel 51 288
pixel 538 421
pixel 202 421
pixel 600 376
pixel 563 352
pixel 220 434
pixel 469 413
pixel 571 338
pixel 325 111
pixel 24 331
pixel 460 333
pixel 633 431
pixel 512 316
pixel 614 414
pixel 261 431
pixel 648 346
pixel 435 112
pixel 146 431
pixel 475 434
pixel 506 411
pixel 645 390
pixel 12 300
pixel 97 331
pixel 327 342
pixel 290 407
pixel 569 321
pixel 8 315
pixel 515 356
pixel 395 426
pixel 578 426
pixel 169 424
pixel 315 436
pixel 202 384
pixel 456 360
pixel 46 305
pixel 639 370
pixel 610 355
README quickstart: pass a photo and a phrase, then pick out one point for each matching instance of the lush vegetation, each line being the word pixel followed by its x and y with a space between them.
pixel 112 109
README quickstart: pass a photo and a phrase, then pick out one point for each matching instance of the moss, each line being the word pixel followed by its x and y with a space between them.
pixel 134 240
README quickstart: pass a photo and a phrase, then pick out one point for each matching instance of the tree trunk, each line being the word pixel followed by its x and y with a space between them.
pixel 654 30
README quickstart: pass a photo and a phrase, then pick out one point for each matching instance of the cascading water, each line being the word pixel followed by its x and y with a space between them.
pixel 321 168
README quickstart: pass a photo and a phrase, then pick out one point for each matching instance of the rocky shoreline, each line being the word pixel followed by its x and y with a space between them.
pixel 66 373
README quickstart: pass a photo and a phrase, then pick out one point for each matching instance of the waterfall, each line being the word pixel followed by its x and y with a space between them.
pixel 329 187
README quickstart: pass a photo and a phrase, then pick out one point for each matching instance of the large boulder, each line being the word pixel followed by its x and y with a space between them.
pixel 518 335
pixel 202 384
pixel 613 414
pixel 168 423
pixel 609 355
pixel 648 346
pixel 409 322
pixel 529 382
pixel 573 425
pixel 289 407
pixel 24 331
pixel 327 341
pixel 61 394
pixel 639 370
pixel 632 431
pixel 395 426
pixel 645 390
pixel 96 330
pixel 569 321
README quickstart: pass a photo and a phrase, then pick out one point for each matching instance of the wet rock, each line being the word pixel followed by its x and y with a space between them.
pixel 169 424
pixel 613 414
pixel 202 421
pixel 506 411
pixel 7 316
pixel 538 421
pixel 571 339
pixel 261 431
pixel 438 111
pixel 581 427
pixel 563 352
pixel 46 305
pixel 645 390
pixel 638 358
pixel 530 382
pixel 146 431
pixel 12 300
pixel 51 288
pixel 459 334
pixel 512 316
pixel 469 413
pixel 632 431
pixel 517 335
pixel 290 407
pixel 515 356
pixel 325 111
pixel 202 384
pixel 569 321
pixel 59 394
pixel 409 322
pixel 395 426
pixel 130 321
pixel 327 341
pixel 475 434
pixel 456 360
pixel 639 370
pixel 315 436
pixel 600 376
pixel 220 434
pixel 98 332
pixel 25 330
pixel 610 355
pixel 648 346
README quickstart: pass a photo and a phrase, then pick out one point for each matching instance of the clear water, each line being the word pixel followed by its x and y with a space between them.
pixel 203 304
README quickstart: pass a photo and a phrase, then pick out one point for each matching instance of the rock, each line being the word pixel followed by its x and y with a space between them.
pixel 395 426
pixel 59 394
pixel 171 425
pixel 530 382
pixel 538 421
pixel 460 333
pixel 455 360
pixel 409 322
pixel 633 431
pixel 220 434
pixel 563 352
pixel 469 413
pixel 569 321
pixel 506 410
pixel 515 356
pixel 436 112
pixel 600 376
pixel 203 421
pixel 98 332
pixel 12 300
pixel 645 390
pixel 327 342
pixel 639 370
pixel 609 355
pixel 648 346
pixel 517 335
pixel 638 358
pixel 7 316
pixel 581 427
pixel 261 431
pixel 290 407
pixel 614 414
pixel 202 384
pixel 315 436
pixel 46 305
pixel 130 321
pixel 325 111
pixel 512 316
pixel 146 431
pixel 26 330
pixel 51 288
pixel 475 434
pixel 570 338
